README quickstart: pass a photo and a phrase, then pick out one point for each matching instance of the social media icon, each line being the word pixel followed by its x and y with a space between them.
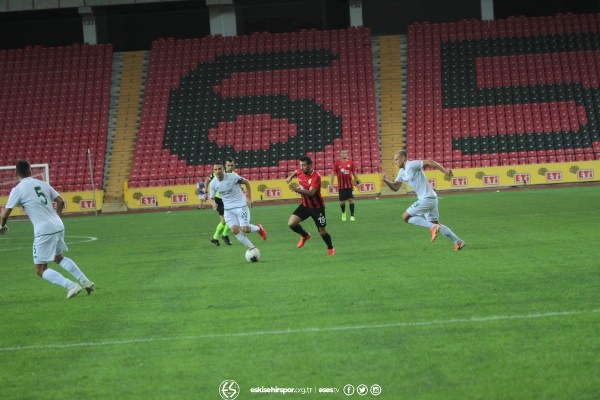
pixel 348 390
pixel 375 390
pixel 362 389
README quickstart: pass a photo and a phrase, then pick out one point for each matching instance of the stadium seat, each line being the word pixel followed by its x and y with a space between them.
pixel 61 103
pixel 527 83
pixel 250 120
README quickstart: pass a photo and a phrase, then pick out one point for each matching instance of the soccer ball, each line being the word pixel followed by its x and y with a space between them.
pixel 253 255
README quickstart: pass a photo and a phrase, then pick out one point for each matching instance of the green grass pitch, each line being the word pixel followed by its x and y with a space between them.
pixel 515 315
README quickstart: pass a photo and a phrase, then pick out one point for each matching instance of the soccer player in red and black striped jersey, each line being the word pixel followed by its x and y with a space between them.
pixel 311 204
pixel 345 170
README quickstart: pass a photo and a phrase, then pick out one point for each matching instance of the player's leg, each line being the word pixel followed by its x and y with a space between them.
pixel 221 226
pixel 44 250
pixel 234 220
pixel 342 197
pixel 70 266
pixel 434 216
pixel 414 216
pixel 318 215
pixel 351 204
pixel 299 215
pixel 225 235
pixel 247 227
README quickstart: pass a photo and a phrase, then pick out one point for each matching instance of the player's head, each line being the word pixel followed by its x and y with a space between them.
pixel 23 168
pixel 344 154
pixel 218 170
pixel 229 165
pixel 400 158
pixel 305 164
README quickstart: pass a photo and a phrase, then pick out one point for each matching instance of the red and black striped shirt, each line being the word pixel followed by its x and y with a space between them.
pixel 344 171
pixel 307 182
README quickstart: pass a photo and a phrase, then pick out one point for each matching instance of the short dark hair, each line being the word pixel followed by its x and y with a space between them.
pixel 229 159
pixel 306 159
pixel 23 168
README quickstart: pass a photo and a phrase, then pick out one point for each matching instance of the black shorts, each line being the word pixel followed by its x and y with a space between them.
pixel 345 194
pixel 220 206
pixel 317 214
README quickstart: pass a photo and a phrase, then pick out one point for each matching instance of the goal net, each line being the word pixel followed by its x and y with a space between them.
pixel 9 179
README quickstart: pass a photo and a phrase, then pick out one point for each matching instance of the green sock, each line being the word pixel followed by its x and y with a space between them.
pixel 220 228
pixel 226 230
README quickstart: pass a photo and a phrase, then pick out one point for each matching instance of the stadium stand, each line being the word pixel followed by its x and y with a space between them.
pixel 264 99
pixel 504 92
pixel 54 107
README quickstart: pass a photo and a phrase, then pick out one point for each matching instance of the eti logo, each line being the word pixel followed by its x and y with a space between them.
pixel 553 176
pixel 229 390
pixel 366 187
pixel 522 178
pixel 490 180
pixel 180 198
pixel 148 200
pixel 332 189
pixel 585 174
pixel 460 181
pixel 87 204
pixel 273 193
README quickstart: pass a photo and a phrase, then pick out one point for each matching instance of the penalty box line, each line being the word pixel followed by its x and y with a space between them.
pixel 301 330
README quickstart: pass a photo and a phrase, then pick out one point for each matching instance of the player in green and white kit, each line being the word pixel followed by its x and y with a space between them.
pixel 237 212
pixel 424 212
pixel 36 198
pixel 222 228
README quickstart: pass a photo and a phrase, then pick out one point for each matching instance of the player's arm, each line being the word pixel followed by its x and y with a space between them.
pixel 60 205
pixel 438 166
pixel 395 186
pixel 248 192
pixel 308 192
pixel 356 180
pixel 4 220
pixel 332 177
pixel 292 176
pixel 211 198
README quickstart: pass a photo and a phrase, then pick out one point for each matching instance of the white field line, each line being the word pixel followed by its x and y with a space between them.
pixel 347 328
pixel 68 240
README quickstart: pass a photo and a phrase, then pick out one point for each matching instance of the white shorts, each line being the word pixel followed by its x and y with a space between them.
pixel 237 216
pixel 427 207
pixel 46 247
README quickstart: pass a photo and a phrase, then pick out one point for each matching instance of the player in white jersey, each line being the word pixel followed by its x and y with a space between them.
pixel 235 204
pixel 36 198
pixel 424 212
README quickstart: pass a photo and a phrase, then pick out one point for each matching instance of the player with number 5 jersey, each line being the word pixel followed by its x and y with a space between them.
pixel 37 198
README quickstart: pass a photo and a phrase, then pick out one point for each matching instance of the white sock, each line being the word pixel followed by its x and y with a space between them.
pixel 244 240
pixel 254 228
pixel 449 234
pixel 52 276
pixel 420 221
pixel 69 265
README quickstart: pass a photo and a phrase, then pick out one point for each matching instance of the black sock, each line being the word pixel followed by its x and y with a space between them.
pixel 352 209
pixel 299 230
pixel 327 240
pixel 343 207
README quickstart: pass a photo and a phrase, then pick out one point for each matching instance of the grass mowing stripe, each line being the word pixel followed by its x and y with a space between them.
pixel 306 330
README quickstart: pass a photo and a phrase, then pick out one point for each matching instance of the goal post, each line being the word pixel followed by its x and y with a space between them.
pixel 9 179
